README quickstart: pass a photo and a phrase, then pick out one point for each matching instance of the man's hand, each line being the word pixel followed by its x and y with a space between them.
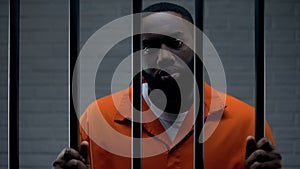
pixel 261 155
pixel 70 158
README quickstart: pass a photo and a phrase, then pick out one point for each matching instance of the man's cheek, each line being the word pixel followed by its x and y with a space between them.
pixel 148 63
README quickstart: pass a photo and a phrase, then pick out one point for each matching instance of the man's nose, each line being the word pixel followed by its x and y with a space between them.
pixel 165 58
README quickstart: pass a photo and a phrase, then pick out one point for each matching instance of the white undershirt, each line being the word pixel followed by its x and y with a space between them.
pixel 171 122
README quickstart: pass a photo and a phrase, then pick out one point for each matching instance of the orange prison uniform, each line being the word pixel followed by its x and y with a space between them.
pixel 108 134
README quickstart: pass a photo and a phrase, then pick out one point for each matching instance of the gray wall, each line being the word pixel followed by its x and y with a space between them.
pixel 3 83
pixel 229 25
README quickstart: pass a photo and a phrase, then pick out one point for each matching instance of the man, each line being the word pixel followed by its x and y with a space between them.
pixel 167 137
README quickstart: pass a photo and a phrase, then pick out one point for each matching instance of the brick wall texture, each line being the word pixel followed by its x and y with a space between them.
pixel 229 24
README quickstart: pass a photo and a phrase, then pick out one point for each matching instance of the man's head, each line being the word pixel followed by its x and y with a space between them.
pixel 165 51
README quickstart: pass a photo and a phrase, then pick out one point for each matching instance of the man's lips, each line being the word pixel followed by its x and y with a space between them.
pixel 167 73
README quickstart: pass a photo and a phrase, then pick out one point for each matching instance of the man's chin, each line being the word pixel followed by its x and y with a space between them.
pixel 171 77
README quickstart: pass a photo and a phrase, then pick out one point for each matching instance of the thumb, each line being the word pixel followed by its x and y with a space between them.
pixel 84 152
pixel 251 146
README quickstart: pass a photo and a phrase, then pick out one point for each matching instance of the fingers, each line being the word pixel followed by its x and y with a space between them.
pixel 77 164
pixel 71 159
pixel 58 163
pixel 263 159
pixel 84 151
pixel 64 157
pixel 261 154
pixel 266 165
pixel 251 146
pixel 265 144
pixel 70 153
pixel 258 154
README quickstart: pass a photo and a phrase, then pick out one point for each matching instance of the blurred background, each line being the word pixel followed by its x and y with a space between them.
pixel 229 24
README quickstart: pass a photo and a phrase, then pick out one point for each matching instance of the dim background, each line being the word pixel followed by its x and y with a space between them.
pixel 229 24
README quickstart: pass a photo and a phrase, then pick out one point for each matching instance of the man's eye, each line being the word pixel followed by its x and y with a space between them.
pixel 146 46
pixel 176 44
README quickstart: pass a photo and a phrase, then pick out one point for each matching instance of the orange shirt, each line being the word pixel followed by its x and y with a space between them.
pixel 106 125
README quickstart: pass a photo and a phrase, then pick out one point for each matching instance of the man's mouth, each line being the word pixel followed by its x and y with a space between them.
pixel 168 73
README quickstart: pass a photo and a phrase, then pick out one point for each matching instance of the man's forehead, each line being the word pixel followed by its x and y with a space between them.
pixel 166 23
pixel 173 34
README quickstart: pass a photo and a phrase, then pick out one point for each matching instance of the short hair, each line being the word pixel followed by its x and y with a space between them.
pixel 169 7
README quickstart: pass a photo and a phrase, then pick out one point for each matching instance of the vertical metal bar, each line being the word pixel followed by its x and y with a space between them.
pixel 13 84
pixel 73 53
pixel 198 69
pixel 136 89
pixel 259 69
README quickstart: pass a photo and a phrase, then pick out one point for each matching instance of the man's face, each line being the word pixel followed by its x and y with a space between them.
pixel 166 50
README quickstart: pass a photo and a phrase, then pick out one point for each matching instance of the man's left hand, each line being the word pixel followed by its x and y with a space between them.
pixel 261 154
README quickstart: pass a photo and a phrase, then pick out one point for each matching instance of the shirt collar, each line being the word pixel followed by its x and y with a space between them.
pixel 214 101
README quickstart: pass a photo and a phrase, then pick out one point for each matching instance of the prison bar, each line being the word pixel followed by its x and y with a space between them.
pixel 13 84
pixel 259 70
pixel 198 73
pixel 74 47
pixel 136 88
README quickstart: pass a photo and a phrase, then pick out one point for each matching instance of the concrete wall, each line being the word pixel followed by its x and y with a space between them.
pixel 228 23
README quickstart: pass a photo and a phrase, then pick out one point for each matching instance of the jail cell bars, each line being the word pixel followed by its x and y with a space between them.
pixel 136 88
pixel 13 84
pixel 13 95
pixel 74 46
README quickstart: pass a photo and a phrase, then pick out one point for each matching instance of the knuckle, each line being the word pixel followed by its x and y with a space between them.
pixel 259 153
pixel 270 143
pixel 69 153
pixel 262 141
pixel 255 165
pixel 265 140
pixel 67 150
pixel 73 163
pixel 61 154
pixel 255 154
pixel 56 163
pixel 266 144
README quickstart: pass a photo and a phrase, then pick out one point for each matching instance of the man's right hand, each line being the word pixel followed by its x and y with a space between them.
pixel 69 158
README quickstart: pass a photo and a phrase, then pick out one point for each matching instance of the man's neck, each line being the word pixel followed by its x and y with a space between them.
pixel 170 102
